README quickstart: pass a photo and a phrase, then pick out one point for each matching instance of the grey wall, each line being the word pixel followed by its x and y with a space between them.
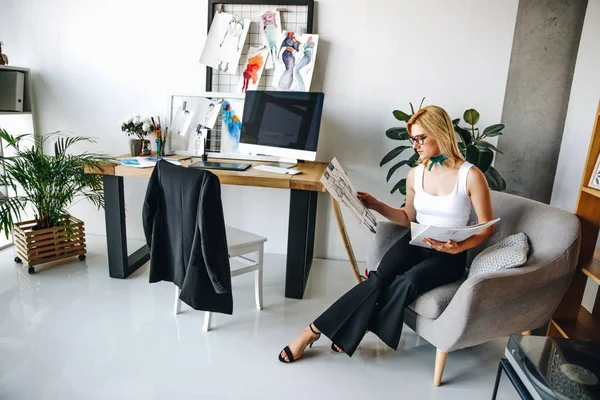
pixel 544 51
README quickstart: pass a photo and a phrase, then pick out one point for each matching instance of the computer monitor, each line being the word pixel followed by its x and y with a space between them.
pixel 281 124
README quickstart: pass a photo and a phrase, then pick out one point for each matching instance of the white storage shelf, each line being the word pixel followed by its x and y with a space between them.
pixel 27 107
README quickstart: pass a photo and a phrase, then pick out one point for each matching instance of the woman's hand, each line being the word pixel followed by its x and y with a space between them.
pixel 450 246
pixel 368 200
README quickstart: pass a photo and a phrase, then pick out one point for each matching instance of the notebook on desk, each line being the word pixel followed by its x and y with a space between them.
pixel 220 165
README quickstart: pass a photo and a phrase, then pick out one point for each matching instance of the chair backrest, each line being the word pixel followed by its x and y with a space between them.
pixel 550 230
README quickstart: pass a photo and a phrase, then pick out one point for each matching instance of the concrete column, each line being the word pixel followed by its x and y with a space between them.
pixel 544 51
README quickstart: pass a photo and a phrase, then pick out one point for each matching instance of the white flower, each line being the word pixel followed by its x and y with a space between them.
pixel 128 119
pixel 146 127
pixel 137 121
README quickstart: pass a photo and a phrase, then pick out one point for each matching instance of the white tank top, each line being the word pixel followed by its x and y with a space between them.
pixel 448 211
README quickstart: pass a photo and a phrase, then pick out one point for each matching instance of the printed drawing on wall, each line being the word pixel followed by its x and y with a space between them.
pixel 224 42
pixel 231 112
pixel 253 68
pixel 338 185
pixel 295 62
pixel 271 27
pixel 595 179
pixel 210 113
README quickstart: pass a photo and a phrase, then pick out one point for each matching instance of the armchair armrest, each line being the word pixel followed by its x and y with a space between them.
pixel 495 304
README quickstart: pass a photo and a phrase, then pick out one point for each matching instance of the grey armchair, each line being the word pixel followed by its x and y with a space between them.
pixel 495 304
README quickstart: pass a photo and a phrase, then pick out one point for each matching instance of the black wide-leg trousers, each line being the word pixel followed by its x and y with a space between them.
pixel 377 304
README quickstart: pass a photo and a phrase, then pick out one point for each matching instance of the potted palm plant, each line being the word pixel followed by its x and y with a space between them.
pixel 45 186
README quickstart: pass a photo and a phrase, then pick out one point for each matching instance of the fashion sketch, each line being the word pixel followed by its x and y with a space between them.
pixel 338 185
pixel 287 51
pixel 253 68
pixel 233 34
pixel 271 24
pixel 224 42
pixel 231 129
pixel 307 50
pixel 296 60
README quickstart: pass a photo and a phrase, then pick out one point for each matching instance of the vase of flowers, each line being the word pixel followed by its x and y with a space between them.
pixel 135 125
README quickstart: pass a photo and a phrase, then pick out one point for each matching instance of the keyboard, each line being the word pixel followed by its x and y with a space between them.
pixel 278 170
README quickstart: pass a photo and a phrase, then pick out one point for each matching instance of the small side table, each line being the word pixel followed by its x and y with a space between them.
pixel 505 366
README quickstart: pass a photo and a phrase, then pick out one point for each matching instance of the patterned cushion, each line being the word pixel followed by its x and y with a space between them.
pixel 511 252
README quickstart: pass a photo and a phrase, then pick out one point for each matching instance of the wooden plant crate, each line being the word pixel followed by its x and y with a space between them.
pixel 41 246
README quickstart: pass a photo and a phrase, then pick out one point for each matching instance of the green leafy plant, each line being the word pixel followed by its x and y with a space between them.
pixel 477 151
pixel 47 184
pixel 470 142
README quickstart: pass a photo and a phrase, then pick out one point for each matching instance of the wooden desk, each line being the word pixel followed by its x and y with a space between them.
pixel 301 231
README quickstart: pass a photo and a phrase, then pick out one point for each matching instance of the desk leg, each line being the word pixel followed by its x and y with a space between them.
pixel 301 241
pixel 119 264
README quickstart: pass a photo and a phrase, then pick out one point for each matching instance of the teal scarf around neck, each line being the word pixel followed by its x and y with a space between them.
pixel 437 159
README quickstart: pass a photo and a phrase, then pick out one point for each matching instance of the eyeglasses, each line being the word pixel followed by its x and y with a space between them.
pixel 419 139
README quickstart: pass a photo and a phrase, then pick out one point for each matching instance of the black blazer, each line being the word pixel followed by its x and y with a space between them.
pixel 185 231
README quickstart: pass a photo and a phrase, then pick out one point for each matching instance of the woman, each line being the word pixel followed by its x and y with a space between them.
pixel 440 192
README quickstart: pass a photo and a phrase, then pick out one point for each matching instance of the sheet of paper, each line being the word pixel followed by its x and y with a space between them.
pixel 224 42
pixel 231 113
pixel 211 112
pixel 270 22
pixel 253 68
pixel 419 232
pixel 182 121
pixel 144 162
pixel 338 184
pixel 295 61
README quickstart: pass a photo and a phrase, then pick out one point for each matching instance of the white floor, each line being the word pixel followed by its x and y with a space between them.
pixel 71 332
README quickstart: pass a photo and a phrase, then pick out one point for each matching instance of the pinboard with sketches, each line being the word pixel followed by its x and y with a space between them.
pixel 201 112
pixel 261 51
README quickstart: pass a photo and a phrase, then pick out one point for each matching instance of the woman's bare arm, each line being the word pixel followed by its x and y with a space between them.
pixel 398 216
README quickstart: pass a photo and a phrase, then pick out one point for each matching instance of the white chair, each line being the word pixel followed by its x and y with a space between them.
pixel 239 244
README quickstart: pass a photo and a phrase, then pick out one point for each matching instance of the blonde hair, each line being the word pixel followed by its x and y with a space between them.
pixel 437 124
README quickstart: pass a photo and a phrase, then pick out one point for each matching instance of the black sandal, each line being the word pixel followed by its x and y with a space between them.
pixel 288 352
pixel 334 349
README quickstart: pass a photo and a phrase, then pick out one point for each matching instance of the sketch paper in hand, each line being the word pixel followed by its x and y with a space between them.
pixel 224 42
pixel 270 22
pixel 418 232
pixel 295 62
pixel 253 68
pixel 338 185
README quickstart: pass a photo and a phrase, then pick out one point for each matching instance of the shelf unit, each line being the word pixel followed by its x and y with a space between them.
pixel 27 104
pixel 571 319
pixel 10 119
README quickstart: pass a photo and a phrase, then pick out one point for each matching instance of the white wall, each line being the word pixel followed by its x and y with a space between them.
pixel 95 61
pixel 583 104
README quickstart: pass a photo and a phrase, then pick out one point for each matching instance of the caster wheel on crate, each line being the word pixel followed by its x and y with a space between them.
pixel 18 260
pixel 82 257
pixel 31 270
